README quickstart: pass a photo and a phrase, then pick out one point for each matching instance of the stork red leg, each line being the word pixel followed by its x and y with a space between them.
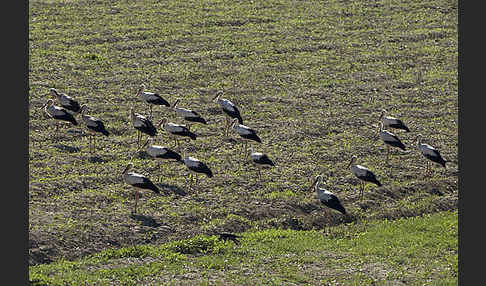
pixel 136 201
pixel 387 154
pixel 246 149
pixel 362 191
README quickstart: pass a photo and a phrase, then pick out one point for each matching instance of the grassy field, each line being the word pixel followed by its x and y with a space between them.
pixel 311 77
pixel 412 251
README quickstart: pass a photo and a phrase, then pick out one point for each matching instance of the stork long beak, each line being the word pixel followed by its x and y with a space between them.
pixel 164 120
pixel 126 168
pixel 377 132
pixel 146 142
pixel 218 94
pixel 417 138
pixel 175 103
pixel 313 184
pixel 49 101
pixel 382 113
pixel 350 162
pixel 83 108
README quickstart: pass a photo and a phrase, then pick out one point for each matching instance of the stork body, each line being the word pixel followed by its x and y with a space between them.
pixel 161 153
pixel 363 174
pixel 197 167
pixel 94 125
pixel 188 114
pixel 58 113
pixel 431 153
pixel 260 160
pixel 142 124
pixel 230 110
pixel 392 122
pixel 390 139
pixel 139 182
pixel 246 133
pixel 177 130
pixel 66 101
pixel 326 197
pixel 151 98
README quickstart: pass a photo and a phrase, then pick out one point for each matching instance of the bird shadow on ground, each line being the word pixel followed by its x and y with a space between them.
pixel 74 131
pixel 141 154
pixel 95 159
pixel 70 149
pixel 230 140
pixel 145 220
pixel 172 188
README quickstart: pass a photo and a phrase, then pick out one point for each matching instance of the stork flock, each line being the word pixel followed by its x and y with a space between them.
pixel 68 109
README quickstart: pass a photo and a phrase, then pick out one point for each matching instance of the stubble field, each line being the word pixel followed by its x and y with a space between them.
pixel 310 77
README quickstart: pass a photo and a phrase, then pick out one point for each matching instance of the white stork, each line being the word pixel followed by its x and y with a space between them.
pixel 187 114
pixel 195 167
pixel 142 124
pixel 329 199
pixel 58 113
pixel 230 110
pixel 392 122
pixel 390 139
pixel 161 153
pixel 175 130
pixel 246 133
pixel 363 174
pixel 66 101
pixel 151 98
pixel 260 160
pixel 139 182
pixel 430 153
pixel 93 124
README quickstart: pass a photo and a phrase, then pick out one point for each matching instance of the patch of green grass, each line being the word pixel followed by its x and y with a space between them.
pixel 414 251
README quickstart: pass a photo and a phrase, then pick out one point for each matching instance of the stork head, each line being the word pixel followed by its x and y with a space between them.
pixel 48 103
pixel 218 95
pixel 53 91
pixel 383 113
pixel 140 90
pixel 184 152
pixel 162 122
pixel 83 108
pixel 235 121
pixel 380 126
pixel 132 113
pixel 175 103
pixel 128 167
pixel 149 140
pixel 418 138
pixel 317 179
pixel 353 159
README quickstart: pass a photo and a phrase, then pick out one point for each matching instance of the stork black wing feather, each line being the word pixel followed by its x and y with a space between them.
pixel 264 160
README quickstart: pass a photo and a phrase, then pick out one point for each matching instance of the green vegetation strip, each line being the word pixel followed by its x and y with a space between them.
pixel 411 251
